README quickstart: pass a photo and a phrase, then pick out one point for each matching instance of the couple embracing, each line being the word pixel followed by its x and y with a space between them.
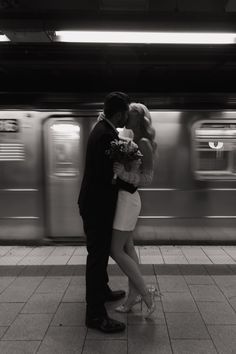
pixel 110 210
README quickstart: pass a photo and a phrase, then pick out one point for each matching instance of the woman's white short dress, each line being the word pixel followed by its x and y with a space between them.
pixel 128 205
pixel 127 211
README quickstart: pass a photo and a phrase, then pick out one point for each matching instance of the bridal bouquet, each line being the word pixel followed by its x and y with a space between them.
pixel 123 151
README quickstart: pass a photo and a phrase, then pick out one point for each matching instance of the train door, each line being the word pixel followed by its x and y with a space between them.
pixel 64 154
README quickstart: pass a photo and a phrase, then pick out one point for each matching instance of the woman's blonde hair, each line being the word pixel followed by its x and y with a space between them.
pixel 145 122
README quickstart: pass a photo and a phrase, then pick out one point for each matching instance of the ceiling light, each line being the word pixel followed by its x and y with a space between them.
pixel 4 38
pixel 145 37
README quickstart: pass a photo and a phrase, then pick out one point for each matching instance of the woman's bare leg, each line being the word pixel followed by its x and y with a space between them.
pixel 130 250
pixel 126 262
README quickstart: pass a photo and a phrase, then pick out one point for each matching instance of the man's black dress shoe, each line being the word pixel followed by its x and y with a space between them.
pixel 105 324
pixel 115 295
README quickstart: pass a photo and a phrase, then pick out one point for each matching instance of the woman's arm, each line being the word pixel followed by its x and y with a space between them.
pixel 144 176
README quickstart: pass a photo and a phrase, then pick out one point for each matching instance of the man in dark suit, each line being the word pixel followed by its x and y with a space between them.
pixel 97 203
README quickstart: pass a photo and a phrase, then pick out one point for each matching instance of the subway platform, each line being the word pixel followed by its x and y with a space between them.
pixel 42 302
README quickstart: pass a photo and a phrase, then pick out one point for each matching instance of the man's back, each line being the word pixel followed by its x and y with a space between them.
pixel 97 193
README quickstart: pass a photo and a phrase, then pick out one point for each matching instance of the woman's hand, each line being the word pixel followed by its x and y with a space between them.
pixel 118 168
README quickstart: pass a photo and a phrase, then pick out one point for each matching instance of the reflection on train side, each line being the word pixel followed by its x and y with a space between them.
pixel 214 150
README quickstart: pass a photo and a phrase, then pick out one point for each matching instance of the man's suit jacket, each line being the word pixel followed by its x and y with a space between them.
pixel 98 196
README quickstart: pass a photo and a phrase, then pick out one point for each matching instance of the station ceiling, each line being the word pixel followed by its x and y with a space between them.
pixel 32 63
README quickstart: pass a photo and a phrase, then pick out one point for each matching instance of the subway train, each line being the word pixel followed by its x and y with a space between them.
pixel 192 198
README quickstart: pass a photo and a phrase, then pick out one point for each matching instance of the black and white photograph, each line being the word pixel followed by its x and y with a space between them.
pixel 118 177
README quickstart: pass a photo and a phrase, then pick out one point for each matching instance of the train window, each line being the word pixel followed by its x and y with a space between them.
pixel 214 150
pixel 65 145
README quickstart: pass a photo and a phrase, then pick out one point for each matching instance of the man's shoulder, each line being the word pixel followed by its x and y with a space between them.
pixel 99 127
pixel 102 129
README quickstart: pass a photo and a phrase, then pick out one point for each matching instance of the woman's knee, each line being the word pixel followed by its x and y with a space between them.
pixel 129 247
pixel 113 253
pixel 119 239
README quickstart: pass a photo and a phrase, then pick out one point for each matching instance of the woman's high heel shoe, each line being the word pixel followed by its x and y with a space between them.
pixel 127 308
pixel 152 292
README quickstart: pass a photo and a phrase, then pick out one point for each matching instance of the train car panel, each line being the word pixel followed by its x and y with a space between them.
pixel 21 176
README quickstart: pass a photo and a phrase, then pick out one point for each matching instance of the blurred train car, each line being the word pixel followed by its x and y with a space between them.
pixel 191 199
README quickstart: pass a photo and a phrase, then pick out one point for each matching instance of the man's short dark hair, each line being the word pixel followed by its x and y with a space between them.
pixel 115 102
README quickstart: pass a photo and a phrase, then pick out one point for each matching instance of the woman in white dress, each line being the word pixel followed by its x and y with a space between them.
pixel 129 206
